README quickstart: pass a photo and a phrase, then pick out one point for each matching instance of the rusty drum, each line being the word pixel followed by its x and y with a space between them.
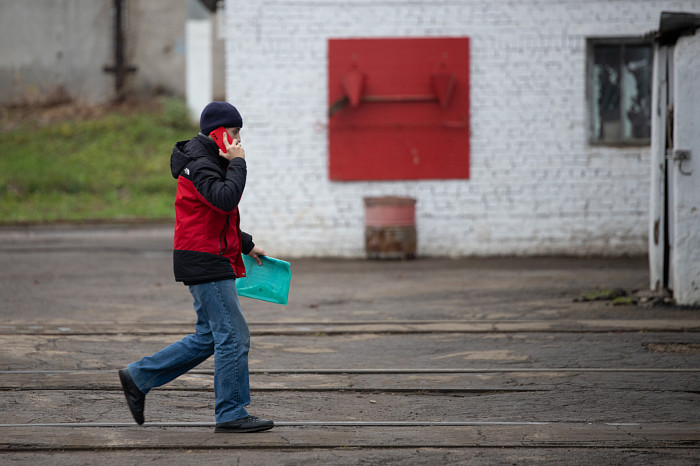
pixel 390 227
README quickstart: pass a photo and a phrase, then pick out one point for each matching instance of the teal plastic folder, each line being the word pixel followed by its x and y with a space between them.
pixel 267 282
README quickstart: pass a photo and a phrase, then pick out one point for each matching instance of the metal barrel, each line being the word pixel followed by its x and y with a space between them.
pixel 390 227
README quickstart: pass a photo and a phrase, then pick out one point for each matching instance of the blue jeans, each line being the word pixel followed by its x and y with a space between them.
pixel 222 331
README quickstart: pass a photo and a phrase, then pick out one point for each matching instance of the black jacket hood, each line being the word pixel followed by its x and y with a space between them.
pixel 186 151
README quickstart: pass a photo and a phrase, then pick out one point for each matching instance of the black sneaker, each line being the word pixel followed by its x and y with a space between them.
pixel 246 424
pixel 134 397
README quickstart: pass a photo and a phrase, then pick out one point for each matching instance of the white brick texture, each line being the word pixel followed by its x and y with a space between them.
pixel 536 187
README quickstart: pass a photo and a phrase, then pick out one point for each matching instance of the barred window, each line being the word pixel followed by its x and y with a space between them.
pixel 619 91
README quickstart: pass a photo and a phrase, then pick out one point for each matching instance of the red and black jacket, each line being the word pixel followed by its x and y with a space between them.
pixel 208 238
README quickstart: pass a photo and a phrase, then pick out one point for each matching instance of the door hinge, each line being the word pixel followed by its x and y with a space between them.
pixel 680 155
pixel 677 154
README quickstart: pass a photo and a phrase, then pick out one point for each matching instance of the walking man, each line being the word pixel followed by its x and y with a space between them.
pixel 207 258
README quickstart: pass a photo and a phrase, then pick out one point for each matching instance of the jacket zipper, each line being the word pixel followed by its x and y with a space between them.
pixel 223 242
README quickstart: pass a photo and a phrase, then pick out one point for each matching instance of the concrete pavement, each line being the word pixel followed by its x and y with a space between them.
pixel 432 361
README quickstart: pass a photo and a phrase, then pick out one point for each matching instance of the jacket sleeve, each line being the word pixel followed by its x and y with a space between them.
pixel 224 194
pixel 247 244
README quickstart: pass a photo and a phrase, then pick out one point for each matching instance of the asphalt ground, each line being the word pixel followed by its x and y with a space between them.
pixel 428 361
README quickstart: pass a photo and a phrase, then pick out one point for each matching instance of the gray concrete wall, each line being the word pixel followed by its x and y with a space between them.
pixel 56 50
pixel 156 46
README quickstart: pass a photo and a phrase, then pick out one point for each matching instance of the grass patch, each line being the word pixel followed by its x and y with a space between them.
pixel 112 164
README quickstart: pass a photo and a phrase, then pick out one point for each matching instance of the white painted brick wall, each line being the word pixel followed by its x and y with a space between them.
pixel 536 185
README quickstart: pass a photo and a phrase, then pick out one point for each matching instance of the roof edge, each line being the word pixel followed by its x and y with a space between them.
pixel 674 25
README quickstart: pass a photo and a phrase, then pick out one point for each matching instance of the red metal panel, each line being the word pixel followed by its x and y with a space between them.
pixel 398 108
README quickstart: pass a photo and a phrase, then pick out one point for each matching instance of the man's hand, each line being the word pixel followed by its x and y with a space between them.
pixel 233 150
pixel 255 253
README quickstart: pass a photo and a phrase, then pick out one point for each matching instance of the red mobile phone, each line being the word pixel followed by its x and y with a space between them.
pixel 218 136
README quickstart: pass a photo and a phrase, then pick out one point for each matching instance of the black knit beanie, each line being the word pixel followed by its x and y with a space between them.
pixel 218 114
